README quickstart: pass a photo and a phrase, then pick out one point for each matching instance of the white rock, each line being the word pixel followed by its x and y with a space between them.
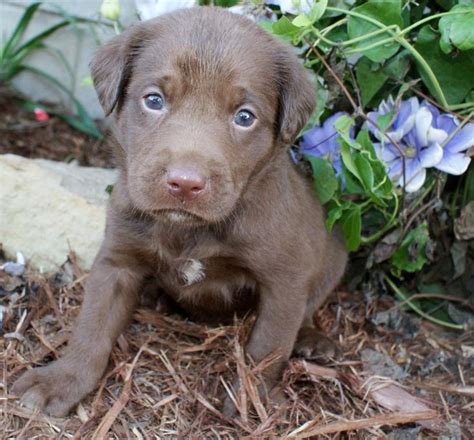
pixel 48 208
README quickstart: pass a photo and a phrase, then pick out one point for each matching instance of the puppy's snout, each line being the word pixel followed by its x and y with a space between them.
pixel 185 183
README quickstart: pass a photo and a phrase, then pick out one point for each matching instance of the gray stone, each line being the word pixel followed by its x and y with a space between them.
pixel 48 208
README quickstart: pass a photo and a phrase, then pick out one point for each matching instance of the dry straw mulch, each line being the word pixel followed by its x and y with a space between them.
pixel 167 375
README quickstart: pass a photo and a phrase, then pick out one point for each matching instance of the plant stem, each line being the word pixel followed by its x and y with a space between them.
pixel 402 41
pixel 416 309
pixel 320 35
pixel 371 46
pixel 427 19
pixel 465 105
pixel 370 35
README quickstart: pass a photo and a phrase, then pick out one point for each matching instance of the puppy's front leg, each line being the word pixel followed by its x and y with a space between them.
pixel 280 314
pixel 110 298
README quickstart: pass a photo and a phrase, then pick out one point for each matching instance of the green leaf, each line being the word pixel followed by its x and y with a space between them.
pixel 383 121
pixel 318 10
pixel 383 186
pixel 365 171
pixel 411 256
pixel 334 214
pixel 87 81
pixel 20 28
pixel 325 180
pixel 73 121
pixel 348 160
pixel 343 126
pixel 448 4
pixel 340 4
pixel 302 21
pixel 38 39
pixel 387 12
pixel 267 25
pixel 351 224
pixel 352 184
pixel 284 27
pixel 226 3
pixel 458 29
pixel 397 67
pixel 454 73
pixel 370 79
pixel 85 123
pixel 80 125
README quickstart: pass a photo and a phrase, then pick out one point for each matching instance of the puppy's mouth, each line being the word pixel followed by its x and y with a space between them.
pixel 179 216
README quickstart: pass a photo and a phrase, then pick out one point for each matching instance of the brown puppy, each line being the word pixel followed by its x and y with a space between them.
pixel 208 203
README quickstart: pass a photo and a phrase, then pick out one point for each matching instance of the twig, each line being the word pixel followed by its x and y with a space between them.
pixel 119 404
pixel 466 391
pixel 371 422
pixel 336 78
pixel 54 306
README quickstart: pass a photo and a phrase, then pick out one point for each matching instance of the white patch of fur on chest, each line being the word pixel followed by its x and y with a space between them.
pixel 192 271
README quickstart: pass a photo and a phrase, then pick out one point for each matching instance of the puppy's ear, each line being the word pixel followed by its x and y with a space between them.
pixel 297 98
pixel 112 65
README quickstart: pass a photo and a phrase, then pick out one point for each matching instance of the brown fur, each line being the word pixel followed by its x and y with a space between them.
pixel 257 230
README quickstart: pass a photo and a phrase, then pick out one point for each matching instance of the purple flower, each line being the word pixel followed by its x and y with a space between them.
pixel 401 123
pixel 457 142
pixel 421 147
pixel 322 141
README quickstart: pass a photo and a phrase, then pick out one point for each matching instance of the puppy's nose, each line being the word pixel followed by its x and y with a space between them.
pixel 185 184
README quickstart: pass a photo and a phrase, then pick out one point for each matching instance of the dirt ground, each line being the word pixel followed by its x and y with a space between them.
pixel 396 376
pixel 22 134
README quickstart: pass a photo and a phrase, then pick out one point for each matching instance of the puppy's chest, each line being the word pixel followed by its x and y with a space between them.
pixel 189 273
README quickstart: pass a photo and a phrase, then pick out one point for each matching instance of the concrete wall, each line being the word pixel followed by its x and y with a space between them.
pixel 76 43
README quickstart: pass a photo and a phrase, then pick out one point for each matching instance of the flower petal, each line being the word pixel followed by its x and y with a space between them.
pixel 456 163
pixel 436 135
pixel 322 140
pixel 415 176
pixel 386 152
pixel 433 110
pixel 337 164
pixel 406 115
pixel 386 105
pixel 423 120
pixel 462 140
pixel 425 132
pixel 371 124
pixel 395 169
pixel 446 122
pixel 430 156
pixel 314 138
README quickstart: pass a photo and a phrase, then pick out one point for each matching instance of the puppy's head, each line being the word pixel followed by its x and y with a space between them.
pixel 203 101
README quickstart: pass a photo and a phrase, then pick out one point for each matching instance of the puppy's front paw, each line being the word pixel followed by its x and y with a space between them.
pixel 53 389
pixel 315 346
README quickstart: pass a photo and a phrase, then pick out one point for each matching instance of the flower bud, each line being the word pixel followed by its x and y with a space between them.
pixel 110 9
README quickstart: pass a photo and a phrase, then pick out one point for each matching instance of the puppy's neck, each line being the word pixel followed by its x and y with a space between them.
pixel 272 175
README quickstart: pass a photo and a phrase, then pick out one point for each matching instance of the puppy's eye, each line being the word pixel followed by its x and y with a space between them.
pixel 154 101
pixel 244 118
